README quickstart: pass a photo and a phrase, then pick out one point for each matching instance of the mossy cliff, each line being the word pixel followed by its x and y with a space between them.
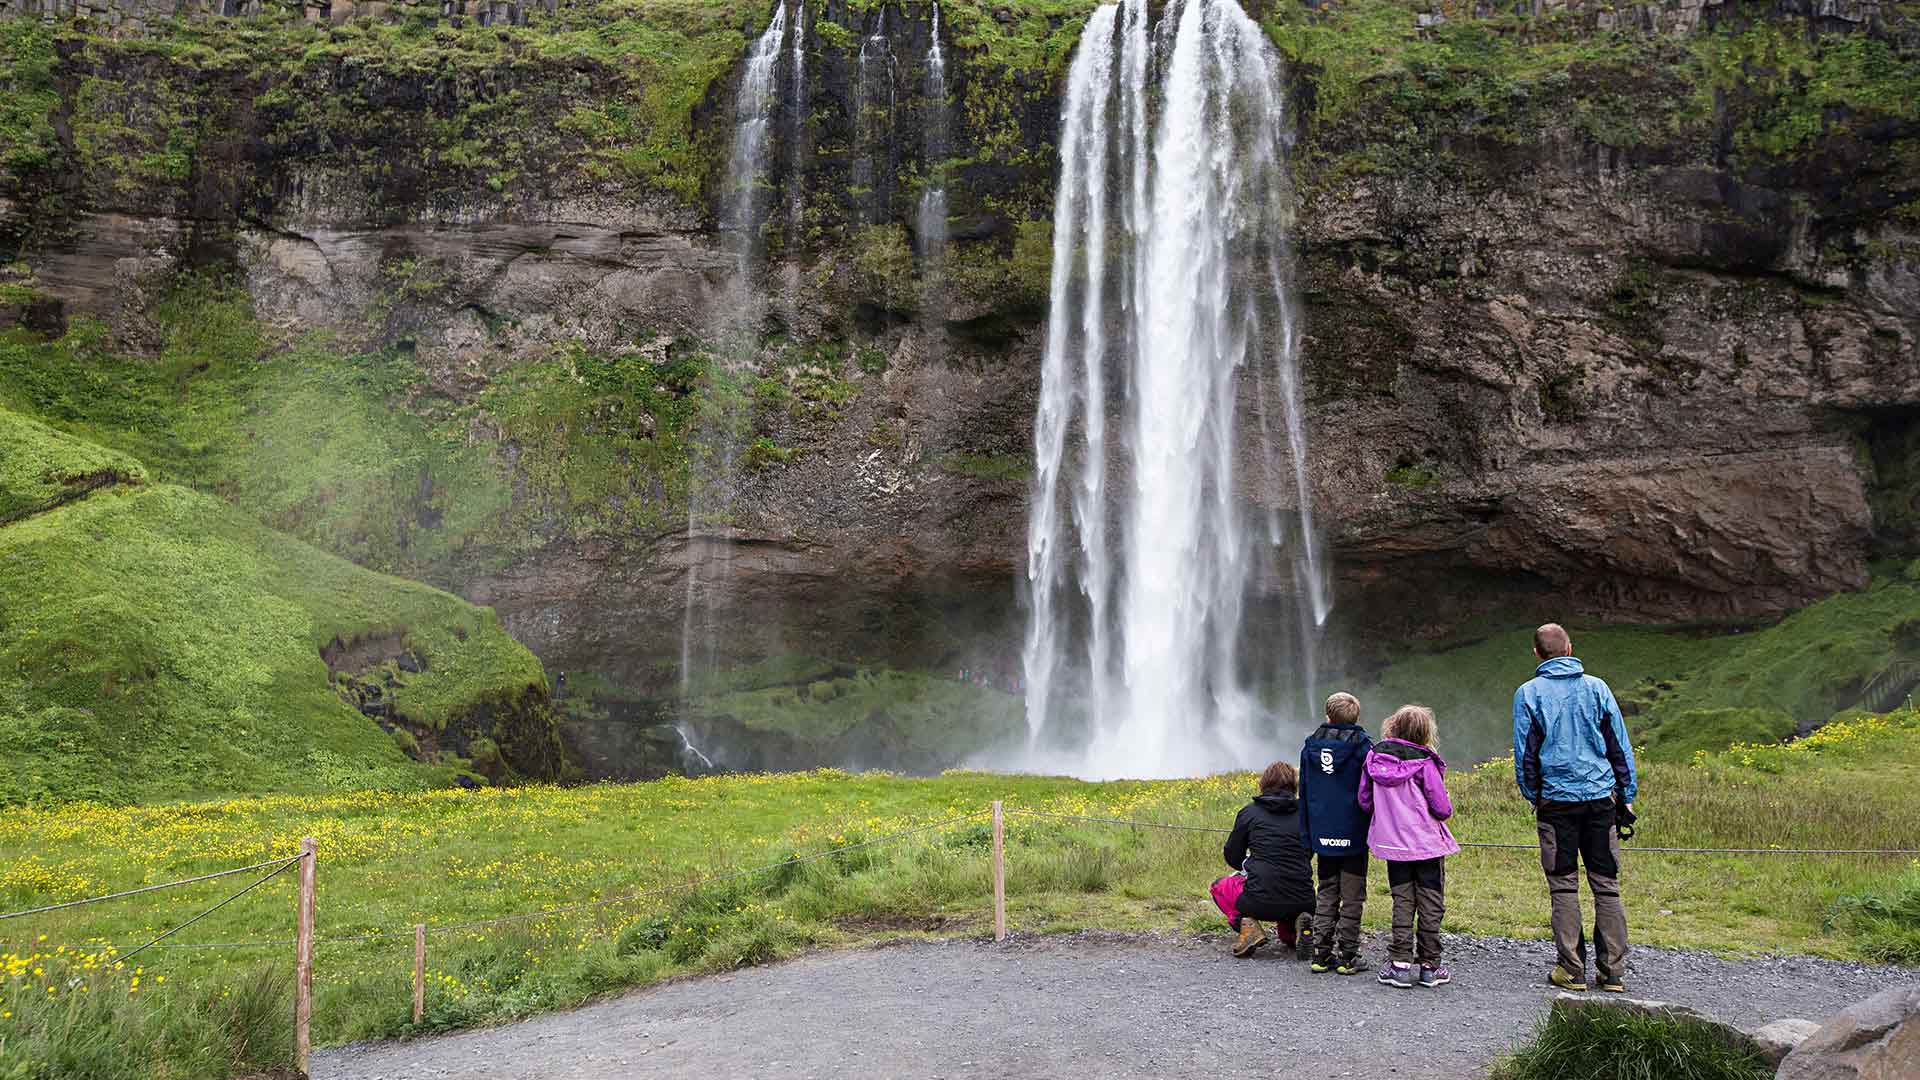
pixel 1610 308
pixel 156 642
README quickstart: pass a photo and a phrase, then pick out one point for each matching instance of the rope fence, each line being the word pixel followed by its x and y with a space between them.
pixel 1132 823
pixel 289 860
pixel 306 939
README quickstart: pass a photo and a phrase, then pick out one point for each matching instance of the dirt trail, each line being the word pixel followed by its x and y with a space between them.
pixel 1083 1006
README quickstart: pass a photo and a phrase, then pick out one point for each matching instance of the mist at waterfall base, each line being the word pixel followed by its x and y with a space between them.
pixel 1149 535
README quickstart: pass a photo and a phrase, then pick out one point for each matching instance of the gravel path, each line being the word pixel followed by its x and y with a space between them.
pixel 1082 1006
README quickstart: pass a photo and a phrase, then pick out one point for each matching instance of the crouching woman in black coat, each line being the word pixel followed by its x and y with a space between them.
pixel 1276 878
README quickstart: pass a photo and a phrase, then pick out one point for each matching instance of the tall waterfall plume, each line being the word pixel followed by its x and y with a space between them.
pixel 1171 306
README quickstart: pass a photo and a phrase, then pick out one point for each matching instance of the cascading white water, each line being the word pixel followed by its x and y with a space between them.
pixel 796 138
pixel 715 447
pixel 873 128
pixel 1135 651
pixel 931 226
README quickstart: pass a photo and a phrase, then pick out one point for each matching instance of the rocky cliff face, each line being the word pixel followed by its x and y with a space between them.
pixel 1608 312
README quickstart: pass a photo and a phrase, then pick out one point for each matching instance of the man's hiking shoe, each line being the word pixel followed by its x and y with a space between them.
pixel 1252 936
pixel 1398 976
pixel 1612 984
pixel 1563 979
pixel 1349 966
pixel 1303 944
pixel 1432 975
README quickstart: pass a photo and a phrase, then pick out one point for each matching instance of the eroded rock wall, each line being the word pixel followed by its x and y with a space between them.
pixel 1594 338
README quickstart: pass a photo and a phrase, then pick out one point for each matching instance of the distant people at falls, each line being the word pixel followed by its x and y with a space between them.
pixel 1404 789
pixel 1271 877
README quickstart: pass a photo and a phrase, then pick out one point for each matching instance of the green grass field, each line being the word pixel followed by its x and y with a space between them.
pixel 389 860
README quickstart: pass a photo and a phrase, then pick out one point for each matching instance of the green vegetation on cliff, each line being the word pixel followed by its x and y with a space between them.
pixel 158 643
pixel 357 452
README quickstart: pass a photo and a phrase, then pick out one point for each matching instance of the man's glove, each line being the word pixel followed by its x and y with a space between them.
pixel 1623 819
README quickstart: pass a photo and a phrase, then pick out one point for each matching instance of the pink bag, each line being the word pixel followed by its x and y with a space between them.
pixel 1226 893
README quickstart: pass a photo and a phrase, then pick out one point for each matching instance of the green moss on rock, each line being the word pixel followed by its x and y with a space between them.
pixel 159 643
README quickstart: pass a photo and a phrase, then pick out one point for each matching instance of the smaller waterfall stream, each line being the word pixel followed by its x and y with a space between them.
pixel 796 136
pixel 932 223
pixel 714 451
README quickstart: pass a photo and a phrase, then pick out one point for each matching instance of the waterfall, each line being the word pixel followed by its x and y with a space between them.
pixel 1137 660
pixel 753 119
pixel 796 146
pixel 932 223
pixel 873 134
pixel 723 414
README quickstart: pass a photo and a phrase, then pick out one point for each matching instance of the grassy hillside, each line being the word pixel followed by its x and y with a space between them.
pixel 157 643
pixel 1685 692
pixel 447 857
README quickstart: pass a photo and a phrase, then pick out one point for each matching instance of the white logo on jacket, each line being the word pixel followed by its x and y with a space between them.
pixel 1326 762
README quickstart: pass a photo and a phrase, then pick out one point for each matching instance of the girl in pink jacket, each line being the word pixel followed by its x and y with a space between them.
pixel 1404 787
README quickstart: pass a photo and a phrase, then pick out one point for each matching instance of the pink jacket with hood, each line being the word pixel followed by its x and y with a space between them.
pixel 1404 787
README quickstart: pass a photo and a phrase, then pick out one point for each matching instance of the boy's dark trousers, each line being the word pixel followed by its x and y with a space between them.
pixel 1571 833
pixel 1419 889
pixel 1337 903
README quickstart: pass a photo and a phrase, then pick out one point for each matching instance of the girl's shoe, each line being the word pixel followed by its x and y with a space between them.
pixel 1434 975
pixel 1252 936
pixel 1398 976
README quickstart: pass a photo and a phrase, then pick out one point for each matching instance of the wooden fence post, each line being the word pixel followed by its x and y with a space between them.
pixel 999 873
pixel 419 972
pixel 303 959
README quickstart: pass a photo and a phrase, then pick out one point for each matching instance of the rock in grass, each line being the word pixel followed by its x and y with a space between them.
pixel 1570 1006
pixel 1778 1039
pixel 1876 1039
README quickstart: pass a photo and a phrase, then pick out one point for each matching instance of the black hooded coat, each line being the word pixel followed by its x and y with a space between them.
pixel 1266 843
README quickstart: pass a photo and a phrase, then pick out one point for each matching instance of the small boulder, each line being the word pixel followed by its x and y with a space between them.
pixel 1588 1005
pixel 1777 1040
pixel 1876 1039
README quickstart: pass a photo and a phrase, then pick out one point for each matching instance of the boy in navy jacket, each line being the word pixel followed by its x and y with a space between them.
pixel 1334 829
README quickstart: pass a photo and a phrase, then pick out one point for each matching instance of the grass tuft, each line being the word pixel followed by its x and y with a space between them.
pixel 1611 1044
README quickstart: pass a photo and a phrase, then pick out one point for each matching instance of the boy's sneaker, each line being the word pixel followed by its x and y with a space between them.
pixel 1347 966
pixel 1434 975
pixel 1399 976
pixel 1252 936
pixel 1566 980
pixel 1612 984
pixel 1321 965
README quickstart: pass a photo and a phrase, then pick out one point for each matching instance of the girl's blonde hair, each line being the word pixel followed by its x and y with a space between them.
pixel 1414 723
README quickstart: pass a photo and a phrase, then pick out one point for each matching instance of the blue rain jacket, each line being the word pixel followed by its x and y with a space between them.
pixel 1569 739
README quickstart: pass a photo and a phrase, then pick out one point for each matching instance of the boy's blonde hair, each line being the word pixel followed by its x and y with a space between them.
pixel 1413 723
pixel 1343 708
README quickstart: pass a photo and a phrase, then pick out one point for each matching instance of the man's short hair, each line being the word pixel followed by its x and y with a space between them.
pixel 1551 640
pixel 1343 708
pixel 1279 776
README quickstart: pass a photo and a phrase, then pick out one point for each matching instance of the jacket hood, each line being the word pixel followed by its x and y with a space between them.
pixel 1396 761
pixel 1278 802
pixel 1560 667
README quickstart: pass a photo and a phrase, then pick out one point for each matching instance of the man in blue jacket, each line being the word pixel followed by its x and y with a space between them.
pixel 1574 764
pixel 1334 830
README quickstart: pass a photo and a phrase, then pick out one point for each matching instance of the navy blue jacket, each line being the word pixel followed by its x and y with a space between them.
pixel 1331 821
